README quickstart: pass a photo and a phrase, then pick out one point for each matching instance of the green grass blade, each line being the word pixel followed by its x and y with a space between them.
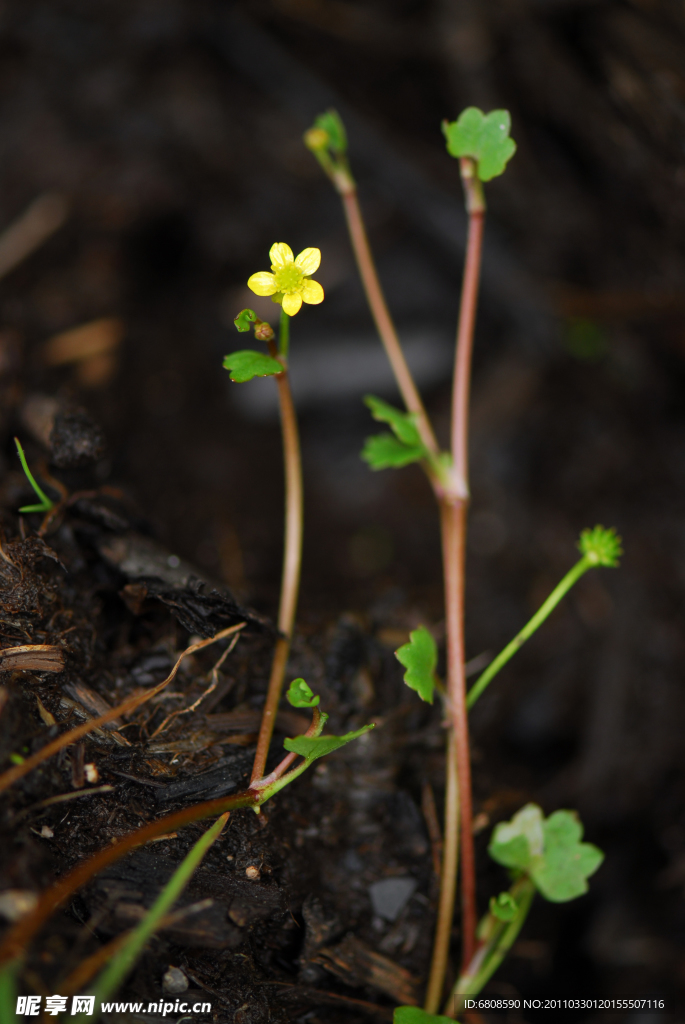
pixel 45 504
pixel 113 975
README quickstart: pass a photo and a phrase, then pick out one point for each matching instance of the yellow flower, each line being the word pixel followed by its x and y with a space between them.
pixel 290 281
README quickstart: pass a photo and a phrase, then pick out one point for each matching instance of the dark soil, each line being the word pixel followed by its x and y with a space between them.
pixel 173 130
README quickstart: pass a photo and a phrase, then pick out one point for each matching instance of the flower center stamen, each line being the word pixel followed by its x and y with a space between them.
pixel 288 279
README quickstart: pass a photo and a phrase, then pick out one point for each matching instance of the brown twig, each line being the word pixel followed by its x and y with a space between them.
pixel 67 738
pixel 210 689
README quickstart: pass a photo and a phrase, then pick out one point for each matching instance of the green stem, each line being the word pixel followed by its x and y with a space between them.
pixel 46 504
pixel 491 954
pixel 545 610
pixel 284 334
pixel 120 965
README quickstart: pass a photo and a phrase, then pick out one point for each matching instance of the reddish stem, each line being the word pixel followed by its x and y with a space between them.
pixel 290 580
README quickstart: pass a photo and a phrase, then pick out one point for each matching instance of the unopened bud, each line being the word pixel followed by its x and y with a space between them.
pixel 264 331
pixel 316 138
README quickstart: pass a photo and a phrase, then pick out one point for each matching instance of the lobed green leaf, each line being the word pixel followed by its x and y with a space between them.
pixel 244 318
pixel 246 364
pixel 301 696
pixel 567 862
pixel 484 137
pixel 313 747
pixel 403 424
pixel 384 451
pixel 549 850
pixel 419 657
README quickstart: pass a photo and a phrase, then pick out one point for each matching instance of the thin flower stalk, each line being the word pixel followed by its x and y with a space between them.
pixel 292 552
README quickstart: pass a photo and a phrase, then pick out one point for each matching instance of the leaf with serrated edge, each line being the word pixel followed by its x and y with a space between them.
pixel 415 1015
pixel 384 451
pixel 402 424
pixel 301 696
pixel 516 843
pixel 313 747
pixel 246 364
pixel 567 863
pixel 484 137
pixel 419 657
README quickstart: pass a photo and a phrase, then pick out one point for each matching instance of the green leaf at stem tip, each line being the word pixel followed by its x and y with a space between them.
pixel 549 850
pixel 415 1015
pixel 247 363
pixel 419 657
pixel 313 747
pixel 244 318
pixel 402 424
pixel 384 451
pixel 484 137
pixel 331 123
pixel 301 696
pixel 504 907
pixel 601 546
pixel 568 863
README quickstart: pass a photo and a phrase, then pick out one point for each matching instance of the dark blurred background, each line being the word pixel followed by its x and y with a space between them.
pixel 172 129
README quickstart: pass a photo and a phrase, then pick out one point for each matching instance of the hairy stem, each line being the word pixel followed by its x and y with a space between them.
pixel 382 318
pixel 543 612
pixel 292 558
pixel 448 882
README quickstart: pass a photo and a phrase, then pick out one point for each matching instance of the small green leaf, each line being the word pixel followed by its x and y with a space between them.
pixel 331 123
pixel 384 451
pixel 516 843
pixel 244 319
pixel 45 503
pixel 415 1015
pixel 567 863
pixel 313 747
pixel 504 907
pixel 301 696
pixel 549 850
pixel 484 137
pixel 247 363
pixel 602 547
pixel 419 657
pixel 403 424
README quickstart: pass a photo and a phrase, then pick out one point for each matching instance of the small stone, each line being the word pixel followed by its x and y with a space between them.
pixel 252 871
pixel 390 896
pixel 47 832
pixel 91 772
pixel 174 982
pixel 16 903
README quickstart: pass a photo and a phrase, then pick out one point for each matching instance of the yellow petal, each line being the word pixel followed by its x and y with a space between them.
pixel 311 292
pixel 308 261
pixel 292 303
pixel 281 255
pixel 262 283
